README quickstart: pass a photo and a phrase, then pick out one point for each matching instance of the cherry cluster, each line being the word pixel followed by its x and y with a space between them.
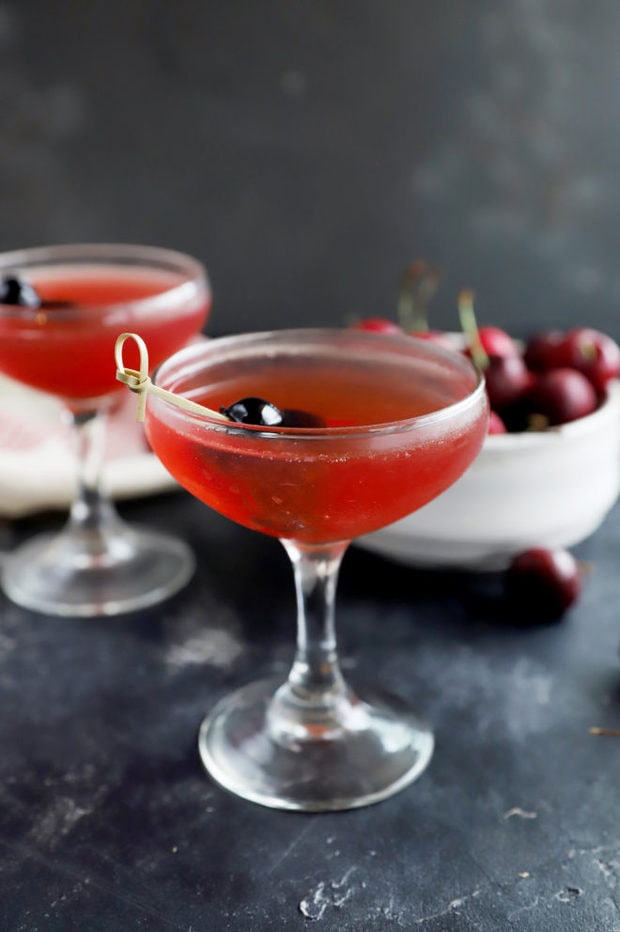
pixel 551 379
pixel 555 378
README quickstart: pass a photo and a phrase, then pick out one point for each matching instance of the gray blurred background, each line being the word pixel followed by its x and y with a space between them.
pixel 307 151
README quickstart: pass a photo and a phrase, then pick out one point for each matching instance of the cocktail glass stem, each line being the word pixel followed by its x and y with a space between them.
pixel 310 743
pixel 315 699
pixel 97 564
pixel 92 509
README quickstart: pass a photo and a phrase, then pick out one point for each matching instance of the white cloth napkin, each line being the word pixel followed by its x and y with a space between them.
pixel 37 465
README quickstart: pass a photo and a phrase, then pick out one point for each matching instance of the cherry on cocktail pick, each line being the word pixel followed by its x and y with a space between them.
pixel 252 410
pixel 263 413
pixel 18 293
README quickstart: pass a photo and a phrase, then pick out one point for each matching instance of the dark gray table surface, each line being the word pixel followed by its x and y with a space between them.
pixel 108 821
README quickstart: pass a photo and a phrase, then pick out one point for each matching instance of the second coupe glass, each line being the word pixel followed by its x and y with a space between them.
pixel 59 339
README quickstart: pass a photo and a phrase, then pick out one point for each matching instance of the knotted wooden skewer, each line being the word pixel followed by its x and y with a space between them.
pixel 139 381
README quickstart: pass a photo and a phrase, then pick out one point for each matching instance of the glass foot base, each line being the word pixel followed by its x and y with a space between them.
pixel 86 574
pixel 380 751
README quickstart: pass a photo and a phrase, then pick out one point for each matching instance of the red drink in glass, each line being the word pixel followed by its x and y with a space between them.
pixel 341 483
pixel 66 350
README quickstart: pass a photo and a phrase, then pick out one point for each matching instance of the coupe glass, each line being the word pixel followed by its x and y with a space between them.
pixel 402 421
pixel 97 564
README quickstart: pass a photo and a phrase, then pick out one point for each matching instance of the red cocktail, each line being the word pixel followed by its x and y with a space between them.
pixel 65 346
pixel 60 312
pixel 347 480
pixel 394 421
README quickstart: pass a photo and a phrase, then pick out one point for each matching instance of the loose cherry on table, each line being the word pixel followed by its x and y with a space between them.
pixel 542 583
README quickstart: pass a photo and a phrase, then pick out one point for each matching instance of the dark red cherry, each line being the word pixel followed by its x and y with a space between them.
pixel 496 424
pixel 562 395
pixel 378 325
pixel 497 342
pixel 17 292
pixel 541 350
pixel 591 352
pixel 508 381
pixel 254 411
pixel 294 417
pixel 263 413
pixel 542 583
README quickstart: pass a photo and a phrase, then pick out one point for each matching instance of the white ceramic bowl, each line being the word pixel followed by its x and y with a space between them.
pixel 551 489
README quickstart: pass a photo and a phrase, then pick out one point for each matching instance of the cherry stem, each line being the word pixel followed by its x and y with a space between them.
pixel 469 326
pixel 418 284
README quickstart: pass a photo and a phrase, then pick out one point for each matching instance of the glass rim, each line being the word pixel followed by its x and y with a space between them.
pixel 124 255
pixel 198 349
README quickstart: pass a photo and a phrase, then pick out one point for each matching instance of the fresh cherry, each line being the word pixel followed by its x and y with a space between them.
pixel 17 292
pixel 497 342
pixel 378 325
pixel 542 583
pixel 508 381
pixel 542 350
pixel 263 413
pixel 591 352
pixel 496 424
pixel 562 395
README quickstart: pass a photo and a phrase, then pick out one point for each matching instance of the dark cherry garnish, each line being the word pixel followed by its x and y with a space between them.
pixel 253 411
pixel 263 413
pixel 294 417
pixel 17 292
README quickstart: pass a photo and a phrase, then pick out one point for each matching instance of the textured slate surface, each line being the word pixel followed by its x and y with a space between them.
pixel 107 820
